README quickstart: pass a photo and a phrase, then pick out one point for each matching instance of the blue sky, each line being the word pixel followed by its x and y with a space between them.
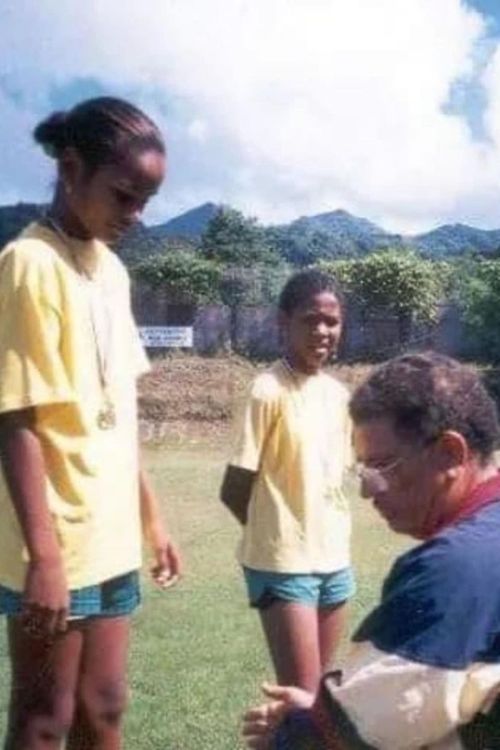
pixel 390 110
pixel 489 8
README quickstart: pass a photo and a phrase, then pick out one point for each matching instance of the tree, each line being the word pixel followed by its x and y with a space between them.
pixel 301 245
pixel 260 285
pixel 392 288
pixel 184 275
pixel 401 283
pixel 139 243
pixel 477 293
pixel 234 239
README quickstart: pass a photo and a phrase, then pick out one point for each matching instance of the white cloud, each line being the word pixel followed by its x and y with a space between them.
pixel 281 107
pixel 198 130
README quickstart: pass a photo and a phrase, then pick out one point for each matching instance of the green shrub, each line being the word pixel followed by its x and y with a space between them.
pixel 401 283
pixel 477 294
pixel 185 275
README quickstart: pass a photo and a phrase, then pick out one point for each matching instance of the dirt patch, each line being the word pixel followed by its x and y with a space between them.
pixel 186 397
pixel 192 399
pixel 191 388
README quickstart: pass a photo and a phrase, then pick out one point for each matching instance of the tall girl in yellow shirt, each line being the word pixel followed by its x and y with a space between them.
pixel 284 485
pixel 73 497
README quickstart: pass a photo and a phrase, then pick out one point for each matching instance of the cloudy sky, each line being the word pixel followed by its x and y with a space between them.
pixel 388 109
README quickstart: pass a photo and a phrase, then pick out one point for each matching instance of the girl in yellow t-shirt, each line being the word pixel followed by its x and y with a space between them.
pixel 73 497
pixel 284 486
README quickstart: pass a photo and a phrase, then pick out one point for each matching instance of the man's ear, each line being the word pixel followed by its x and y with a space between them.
pixel 452 453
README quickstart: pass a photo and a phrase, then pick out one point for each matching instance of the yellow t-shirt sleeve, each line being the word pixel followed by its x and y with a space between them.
pixel 346 431
pixel 32 370
pixel 350 458
pixel 257 422
pixel 141 360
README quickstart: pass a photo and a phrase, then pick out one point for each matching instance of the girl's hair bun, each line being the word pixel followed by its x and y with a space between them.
pixel 52 134
pixel 101 130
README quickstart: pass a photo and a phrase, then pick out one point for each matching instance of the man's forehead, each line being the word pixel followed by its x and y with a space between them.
pixel 377 438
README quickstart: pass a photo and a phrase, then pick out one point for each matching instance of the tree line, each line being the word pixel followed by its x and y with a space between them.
pixel 239 263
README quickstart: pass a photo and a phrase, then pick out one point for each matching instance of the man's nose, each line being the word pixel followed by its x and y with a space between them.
pixel 372 483
pixel 364 489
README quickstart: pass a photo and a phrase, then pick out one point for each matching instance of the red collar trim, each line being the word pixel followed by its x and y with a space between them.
pixel 483 494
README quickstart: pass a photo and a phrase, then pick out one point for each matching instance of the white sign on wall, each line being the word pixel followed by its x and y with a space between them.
pixel 167 336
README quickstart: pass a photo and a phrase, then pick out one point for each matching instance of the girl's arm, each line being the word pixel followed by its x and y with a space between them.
pixel 46 596
pixel 236 491
pixel 258 421
pixel 167 566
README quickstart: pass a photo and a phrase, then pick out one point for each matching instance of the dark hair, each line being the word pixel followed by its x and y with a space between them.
pixel 426 394
pixel 306 284
pixel 99 129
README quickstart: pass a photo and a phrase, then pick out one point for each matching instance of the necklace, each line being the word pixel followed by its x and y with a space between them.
pixel 106 415
pixel 289 368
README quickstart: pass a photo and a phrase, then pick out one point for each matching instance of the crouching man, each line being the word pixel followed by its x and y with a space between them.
pixel 424 666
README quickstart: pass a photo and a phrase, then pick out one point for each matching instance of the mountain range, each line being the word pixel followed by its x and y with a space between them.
pixel 348 230
pixel 335 233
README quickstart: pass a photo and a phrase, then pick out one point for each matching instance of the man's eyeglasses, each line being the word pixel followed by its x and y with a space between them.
pixel 376 477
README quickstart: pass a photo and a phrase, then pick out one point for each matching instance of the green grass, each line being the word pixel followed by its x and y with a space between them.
pixel 197 656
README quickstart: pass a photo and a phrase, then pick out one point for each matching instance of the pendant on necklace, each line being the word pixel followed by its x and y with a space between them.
pixel 106 417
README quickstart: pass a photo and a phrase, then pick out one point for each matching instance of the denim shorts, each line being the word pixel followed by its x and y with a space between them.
pixel 113 598
pixel 314 589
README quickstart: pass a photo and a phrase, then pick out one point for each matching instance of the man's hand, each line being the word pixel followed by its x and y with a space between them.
pixel 260 723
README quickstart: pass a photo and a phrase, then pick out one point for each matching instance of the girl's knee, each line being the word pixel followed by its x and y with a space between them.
pixel 103 702
pixel 37 718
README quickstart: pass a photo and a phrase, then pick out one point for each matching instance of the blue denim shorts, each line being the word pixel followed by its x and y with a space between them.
pixel 314 589
pixel 113 598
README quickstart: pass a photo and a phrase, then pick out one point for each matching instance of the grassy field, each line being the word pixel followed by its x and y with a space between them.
pixel 197 657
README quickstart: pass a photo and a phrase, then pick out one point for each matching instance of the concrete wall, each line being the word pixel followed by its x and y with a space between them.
pixel 253 331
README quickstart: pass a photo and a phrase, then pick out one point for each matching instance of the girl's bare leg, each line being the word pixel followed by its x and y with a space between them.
pixel 292 634
pixel 102 687
pixel 332 622
pixel 43 684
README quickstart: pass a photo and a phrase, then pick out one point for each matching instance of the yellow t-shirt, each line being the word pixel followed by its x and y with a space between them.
pixel 296 435
pixel 49 360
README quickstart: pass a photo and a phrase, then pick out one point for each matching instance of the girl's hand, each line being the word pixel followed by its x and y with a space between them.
pixel 167 566
pixel 45 600
pixel 260 723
